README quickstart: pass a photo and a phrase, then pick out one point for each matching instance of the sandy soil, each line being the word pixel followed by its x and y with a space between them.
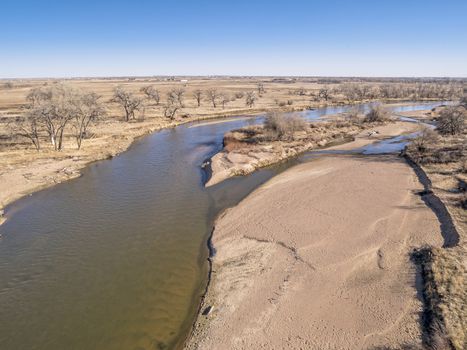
pixel 318 258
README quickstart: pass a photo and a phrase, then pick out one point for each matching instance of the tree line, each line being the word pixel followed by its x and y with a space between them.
pixel 54 111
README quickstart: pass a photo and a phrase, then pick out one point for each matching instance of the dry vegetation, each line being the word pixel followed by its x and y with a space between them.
pixel 442 153
pixel 285 135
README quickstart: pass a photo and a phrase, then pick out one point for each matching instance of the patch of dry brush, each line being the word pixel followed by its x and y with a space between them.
pixel 445 284
pixel 442 153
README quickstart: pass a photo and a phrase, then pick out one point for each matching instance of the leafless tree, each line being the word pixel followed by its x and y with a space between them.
pixel 128 101
pixel 198 95
pixel 151 94
pixel 28 127
pixel 260 87
pixel 350 92
pixel 175 97
pixel 54 107
pixel 451 120
pixel 324 93
pixel 170 110
pixel 213 96
pixel 224 99
pixel 250 98
pixel 87 109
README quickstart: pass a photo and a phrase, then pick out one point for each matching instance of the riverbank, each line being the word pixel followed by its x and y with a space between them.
pixel 284 273
pixel 442 167
pixel 25 171
pixel 240 157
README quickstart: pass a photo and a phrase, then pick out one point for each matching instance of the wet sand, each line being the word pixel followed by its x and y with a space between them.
pixel 319 258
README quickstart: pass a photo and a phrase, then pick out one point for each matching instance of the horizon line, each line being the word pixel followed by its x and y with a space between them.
pixel 237 76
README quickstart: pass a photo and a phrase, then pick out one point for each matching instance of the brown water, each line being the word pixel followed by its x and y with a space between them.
pixel 116 259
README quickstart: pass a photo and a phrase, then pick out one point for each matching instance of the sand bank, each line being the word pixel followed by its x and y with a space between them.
pixel 318 258
pixel 229 163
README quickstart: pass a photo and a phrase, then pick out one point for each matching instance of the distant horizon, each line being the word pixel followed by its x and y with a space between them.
pixel 440 77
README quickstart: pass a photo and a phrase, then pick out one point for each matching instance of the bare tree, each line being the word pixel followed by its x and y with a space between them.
pixel 151 94
pixel 213 96
pixel 451 120
pixel 129 102
pixel 28 127
pixel 170 110
pixel 198 95
pixel 174 103
pixel 224 99
pixel 260 87
pixel 324 93
pixel 250 98
pixel 53 107
pixel 87 109
pixel 175 97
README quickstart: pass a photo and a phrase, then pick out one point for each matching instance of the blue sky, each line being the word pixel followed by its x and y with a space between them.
pixel 236 37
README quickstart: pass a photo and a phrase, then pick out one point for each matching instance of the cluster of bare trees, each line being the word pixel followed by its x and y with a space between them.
pixel 53 111
pixel 359 92
pixel 130 103
pixel 452 120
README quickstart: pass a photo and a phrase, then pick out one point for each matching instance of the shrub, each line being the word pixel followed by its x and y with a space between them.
pixel 426 138
pixel 283 125
pixel 451 120
pixel 353 116
pixel 377 114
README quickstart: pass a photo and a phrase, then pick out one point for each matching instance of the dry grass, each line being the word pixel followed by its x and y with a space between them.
pixel 445 286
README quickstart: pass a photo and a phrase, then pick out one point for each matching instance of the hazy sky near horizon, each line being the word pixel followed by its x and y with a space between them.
pixel 57 38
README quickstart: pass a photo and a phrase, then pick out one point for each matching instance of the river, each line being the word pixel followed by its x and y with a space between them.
pixel 117 259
